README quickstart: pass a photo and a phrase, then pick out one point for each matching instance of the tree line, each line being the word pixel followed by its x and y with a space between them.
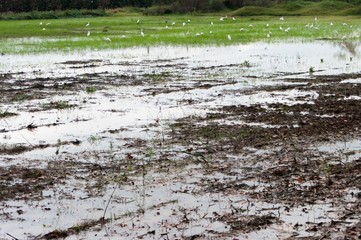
pixel 152 6
pixel 171 5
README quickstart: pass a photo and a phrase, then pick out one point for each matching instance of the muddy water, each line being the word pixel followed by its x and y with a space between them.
pixel 139 93
pixel 127 106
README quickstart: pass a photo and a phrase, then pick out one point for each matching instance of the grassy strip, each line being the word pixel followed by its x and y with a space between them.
pixel 26 36
pixel 73 13
pixel 302 8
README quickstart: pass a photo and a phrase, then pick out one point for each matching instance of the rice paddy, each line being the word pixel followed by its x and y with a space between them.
pixel 26 36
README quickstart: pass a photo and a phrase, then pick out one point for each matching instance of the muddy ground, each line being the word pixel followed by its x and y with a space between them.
pixel 270 169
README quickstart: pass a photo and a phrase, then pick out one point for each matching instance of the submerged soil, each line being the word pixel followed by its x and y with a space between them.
pixel 263 161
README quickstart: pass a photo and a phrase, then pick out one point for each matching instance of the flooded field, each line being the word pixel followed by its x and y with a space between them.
pixel 253 141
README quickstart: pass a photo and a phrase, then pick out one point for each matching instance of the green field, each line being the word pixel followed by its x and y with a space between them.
pixel 25 36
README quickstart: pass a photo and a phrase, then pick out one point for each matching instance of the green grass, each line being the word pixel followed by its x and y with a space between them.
pixel 72 13
pixel 4 114
pixel 25 36
pixel 302 8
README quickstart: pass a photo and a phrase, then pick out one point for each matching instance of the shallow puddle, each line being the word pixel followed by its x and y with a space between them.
pixel 111 116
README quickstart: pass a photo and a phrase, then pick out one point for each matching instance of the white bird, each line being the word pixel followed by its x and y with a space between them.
pixel 189 20
pixel 331 24
pixel 48 23
pixel 211 23
pixel 344 24
pixel 229 37
pixel 198 34
pixel 268 35
pixel 221 19
pixel 173 23
pixel 281 28
pixel 267 25
pixel 87 25
pixel 166 26
pixel 88 34
pixel 210 32
pixel 281 19
pixel 138 21
pixel 184 24
pixel 251 25
pixel 233 19
pixel 44 29
pixel 123 36
pixel 107 39
pixel 315 18
pixel 41 23
pixel 142 33
pixel 242 29
pixel 287 29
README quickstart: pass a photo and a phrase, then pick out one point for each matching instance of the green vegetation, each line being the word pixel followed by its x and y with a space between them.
pixel 90 89
pixel 24 36
pixel 73 13
pixel 301 8
pixel 6 113
pixel 60 105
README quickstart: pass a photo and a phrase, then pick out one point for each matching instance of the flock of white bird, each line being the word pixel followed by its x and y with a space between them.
pixel 229 37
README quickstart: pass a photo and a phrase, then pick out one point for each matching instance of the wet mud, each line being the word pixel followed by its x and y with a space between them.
pixel 191 151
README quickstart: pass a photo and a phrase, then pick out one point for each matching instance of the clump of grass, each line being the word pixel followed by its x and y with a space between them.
pixel 58 105
pixel 157 77
pixel 6 113
pixel 311 70
pixel 90 89
pixel 246 64
pixel 21 97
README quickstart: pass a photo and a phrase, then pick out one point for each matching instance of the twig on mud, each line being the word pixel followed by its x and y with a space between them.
pixel 12 236
pixel 110 198
pixel 324 236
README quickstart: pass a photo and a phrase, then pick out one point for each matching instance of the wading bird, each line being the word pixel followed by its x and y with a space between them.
pixel 229 37
pixel 107 39
pixel 142 33
pixel 87 25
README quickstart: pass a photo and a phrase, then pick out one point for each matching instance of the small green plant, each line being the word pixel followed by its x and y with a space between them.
pixel 246 64
pixel 58 105
pixel 21 97
pixel 90 89
pixel 6 113
pixel 157 77
pixel 93 139
pixel 58 145
pixel 311 70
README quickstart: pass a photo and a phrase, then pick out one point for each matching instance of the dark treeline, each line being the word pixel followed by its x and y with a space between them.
pixel 169 5
pixel 152 6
